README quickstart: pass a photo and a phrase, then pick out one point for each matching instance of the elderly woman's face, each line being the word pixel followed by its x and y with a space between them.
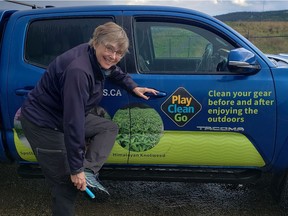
pixel 108 54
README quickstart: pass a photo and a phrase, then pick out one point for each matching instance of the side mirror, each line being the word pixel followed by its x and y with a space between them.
pixel 241 60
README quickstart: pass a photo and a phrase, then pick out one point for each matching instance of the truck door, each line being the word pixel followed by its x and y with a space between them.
pixel 36 38
pixel 209 116
pixel 4 16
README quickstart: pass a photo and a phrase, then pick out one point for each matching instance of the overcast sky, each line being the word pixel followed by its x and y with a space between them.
pixel 212 7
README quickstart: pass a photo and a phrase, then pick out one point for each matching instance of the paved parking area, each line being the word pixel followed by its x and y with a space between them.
pixel 30 197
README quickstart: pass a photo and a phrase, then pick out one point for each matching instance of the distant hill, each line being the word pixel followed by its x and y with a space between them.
pixel 281 15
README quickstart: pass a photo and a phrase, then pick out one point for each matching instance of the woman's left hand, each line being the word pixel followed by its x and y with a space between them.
pixel 140 91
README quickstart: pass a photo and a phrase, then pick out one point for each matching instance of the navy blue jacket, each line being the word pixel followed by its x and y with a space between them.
pixel 72 85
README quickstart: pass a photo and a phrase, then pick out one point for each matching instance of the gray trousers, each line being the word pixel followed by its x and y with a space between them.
pixel 49 148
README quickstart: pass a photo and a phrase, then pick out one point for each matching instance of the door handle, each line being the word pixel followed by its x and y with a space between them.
pixel 160 94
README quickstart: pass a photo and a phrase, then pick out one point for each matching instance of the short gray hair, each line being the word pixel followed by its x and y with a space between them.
pixel 110 32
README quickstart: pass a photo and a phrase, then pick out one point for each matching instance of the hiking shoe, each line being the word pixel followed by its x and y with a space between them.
pixel 93 182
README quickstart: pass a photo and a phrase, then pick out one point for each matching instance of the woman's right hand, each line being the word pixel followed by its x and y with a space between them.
pixel 79 181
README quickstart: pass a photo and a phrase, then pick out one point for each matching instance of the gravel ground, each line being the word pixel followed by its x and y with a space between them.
pixel 30 197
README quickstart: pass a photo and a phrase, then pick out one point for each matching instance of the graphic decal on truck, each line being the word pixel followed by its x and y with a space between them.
pixel 21 143
pixel 140 127
pixel 181 107
pixel 236 106
pixel 200 148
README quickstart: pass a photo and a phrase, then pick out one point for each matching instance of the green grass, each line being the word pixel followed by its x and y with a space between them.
pixel 269 37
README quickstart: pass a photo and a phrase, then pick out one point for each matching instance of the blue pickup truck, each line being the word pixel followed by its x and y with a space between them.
pixel 221 114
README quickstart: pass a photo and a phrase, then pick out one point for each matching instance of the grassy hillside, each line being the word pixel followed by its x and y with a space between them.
pixel 267 30
pixel 255 16
pixel 268 36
